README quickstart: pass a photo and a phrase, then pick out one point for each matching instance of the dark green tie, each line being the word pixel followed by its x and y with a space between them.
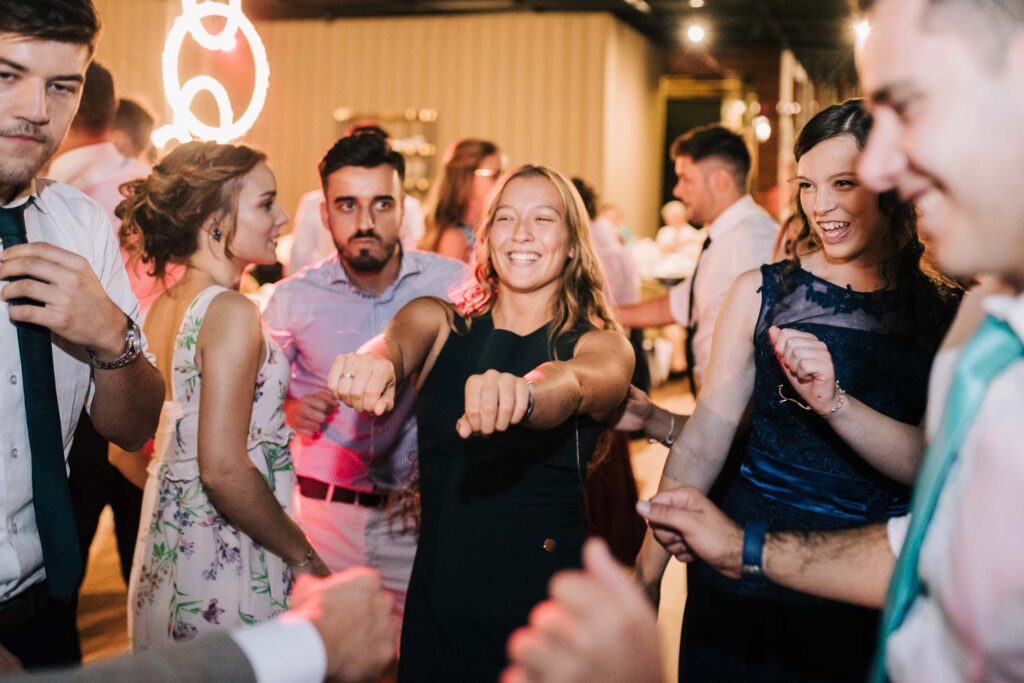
pixel 55 519
pixel 691 324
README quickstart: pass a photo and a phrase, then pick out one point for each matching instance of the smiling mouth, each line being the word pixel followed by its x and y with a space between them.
pixel 523 257
pixel 833 227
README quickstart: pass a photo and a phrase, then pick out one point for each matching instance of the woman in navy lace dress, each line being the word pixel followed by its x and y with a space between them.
pixel 831 351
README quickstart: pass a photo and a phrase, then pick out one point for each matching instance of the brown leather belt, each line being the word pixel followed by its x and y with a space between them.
pixel 314 488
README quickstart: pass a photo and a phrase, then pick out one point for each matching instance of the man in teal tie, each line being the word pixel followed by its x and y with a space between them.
pixel 946 83
pixel 68 335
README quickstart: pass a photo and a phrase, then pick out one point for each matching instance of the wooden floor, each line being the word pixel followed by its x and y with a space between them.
pixel 102 611
pixel 102 604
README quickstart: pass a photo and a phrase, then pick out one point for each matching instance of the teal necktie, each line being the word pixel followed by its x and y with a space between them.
pixel 51 498
pixel 991 350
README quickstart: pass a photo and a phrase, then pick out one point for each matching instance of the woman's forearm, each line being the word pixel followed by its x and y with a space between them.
pixel 245 499
pixel 892 447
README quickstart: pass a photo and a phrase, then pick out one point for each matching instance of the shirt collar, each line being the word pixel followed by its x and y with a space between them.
pixel 1008 308
pixel 732 216
pixel 30 193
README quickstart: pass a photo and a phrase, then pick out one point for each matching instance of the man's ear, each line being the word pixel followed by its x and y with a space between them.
pixel 323 215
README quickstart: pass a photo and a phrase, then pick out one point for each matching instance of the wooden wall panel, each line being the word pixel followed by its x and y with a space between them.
pixel 537 84
pixel 632 141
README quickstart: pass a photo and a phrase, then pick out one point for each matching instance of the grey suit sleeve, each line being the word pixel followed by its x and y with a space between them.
pixel 207 659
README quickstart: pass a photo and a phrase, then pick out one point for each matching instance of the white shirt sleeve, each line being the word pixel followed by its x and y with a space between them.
pixel 284 650
pixel 896 528
pixel 679 301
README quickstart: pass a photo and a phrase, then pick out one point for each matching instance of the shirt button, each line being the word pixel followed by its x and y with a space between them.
pixel 14 528
pixel 13 379
pixel 14 452
pixel 550 545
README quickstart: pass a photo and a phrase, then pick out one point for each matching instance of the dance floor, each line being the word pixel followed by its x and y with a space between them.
pixel 101 610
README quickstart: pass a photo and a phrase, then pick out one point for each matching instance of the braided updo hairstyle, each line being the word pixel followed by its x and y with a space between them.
pixel 161 214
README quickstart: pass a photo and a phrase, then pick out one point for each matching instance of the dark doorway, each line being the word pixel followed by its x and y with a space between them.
pixel 680 116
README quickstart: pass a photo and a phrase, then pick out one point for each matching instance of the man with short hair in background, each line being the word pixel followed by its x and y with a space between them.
pixel 355 470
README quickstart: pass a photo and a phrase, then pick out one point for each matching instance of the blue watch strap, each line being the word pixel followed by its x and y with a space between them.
pixel 753 551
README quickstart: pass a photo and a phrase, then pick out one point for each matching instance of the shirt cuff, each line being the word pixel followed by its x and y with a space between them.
pixel 284 650
pixel 896 529
pixel 679 301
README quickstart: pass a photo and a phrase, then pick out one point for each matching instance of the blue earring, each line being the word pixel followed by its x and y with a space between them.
pixel 217 234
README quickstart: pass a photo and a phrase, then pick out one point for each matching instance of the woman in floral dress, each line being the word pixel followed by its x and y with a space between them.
pixel 217 546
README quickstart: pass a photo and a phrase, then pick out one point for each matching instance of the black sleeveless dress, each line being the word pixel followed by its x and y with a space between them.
pixel 500 514
pixel 798 474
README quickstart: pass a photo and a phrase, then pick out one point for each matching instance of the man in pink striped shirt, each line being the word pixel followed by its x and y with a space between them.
pixel 352 467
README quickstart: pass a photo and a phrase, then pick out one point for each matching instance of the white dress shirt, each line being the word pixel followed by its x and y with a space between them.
pixel 287 649
pixel 741 239
pixel 968 624
pixel 68 219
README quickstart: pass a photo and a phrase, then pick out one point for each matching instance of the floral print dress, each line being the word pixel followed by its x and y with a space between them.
pixel 193 571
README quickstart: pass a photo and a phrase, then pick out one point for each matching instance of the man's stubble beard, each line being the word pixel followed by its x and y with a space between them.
pixel 365 262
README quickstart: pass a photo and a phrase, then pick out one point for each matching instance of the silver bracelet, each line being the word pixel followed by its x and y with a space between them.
pixel 306 562
pixel 839 402
pixel 529 403
pixel 669 438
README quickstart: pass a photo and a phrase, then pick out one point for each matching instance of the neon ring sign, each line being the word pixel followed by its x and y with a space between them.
pixel 184 125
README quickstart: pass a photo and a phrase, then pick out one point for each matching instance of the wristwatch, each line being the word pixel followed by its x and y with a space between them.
pixel 132 349
pixel 752 570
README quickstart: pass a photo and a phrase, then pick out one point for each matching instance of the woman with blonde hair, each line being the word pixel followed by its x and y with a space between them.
pixel 471 168
pixel 513 381
pixel 216 547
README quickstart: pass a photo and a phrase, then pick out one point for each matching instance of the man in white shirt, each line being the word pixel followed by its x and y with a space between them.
pixel 712 164
pixel 88 161
pixel 946 83
pixel 85 323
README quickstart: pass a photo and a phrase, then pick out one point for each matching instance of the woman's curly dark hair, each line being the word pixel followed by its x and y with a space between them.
pixel 906 270
pixel 161 214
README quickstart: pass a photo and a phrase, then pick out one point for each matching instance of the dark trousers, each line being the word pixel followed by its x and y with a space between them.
pixel 46 635
pixel 95 483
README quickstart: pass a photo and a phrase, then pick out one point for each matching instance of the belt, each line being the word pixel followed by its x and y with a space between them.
pixel 314 488
pixel 24 606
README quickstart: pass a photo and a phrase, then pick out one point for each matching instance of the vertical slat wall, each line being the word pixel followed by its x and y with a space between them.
pixel 538 84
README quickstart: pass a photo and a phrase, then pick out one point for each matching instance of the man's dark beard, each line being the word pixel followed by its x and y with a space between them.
pixel 364 261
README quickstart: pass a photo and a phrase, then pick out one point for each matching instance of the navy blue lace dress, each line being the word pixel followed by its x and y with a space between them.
pixel 798 474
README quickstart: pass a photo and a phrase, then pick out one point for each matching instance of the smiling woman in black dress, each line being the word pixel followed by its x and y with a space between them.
pixel 512 383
